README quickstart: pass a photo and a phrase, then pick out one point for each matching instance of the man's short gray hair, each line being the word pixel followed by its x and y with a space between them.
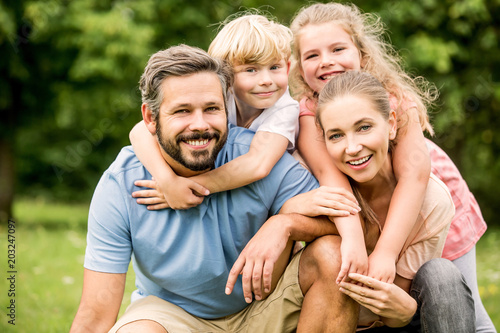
pixel 181 60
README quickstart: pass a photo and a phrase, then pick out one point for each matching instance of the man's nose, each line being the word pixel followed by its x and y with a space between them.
pixel 198 121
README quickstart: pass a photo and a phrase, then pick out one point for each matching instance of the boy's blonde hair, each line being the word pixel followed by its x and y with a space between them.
pixel 377 56
pixel 251 39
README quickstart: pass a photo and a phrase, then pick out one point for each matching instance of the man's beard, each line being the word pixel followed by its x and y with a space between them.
pixel 201 159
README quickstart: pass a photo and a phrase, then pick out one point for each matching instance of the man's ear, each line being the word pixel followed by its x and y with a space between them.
pixel 393 125
pixel 147 115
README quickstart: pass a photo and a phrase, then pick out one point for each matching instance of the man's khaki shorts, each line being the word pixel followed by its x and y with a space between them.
pixel 277 313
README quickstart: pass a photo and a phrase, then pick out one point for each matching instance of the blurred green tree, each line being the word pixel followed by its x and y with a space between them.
pixel 454 44
pixel 68 89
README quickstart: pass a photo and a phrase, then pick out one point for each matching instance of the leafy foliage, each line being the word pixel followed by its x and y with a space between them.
pixel 68 89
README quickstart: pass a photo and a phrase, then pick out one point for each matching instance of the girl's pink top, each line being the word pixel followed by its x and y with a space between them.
pixel 468 225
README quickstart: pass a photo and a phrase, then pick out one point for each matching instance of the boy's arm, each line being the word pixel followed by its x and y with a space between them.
pixel 101 300
pixel 313 150
pixel 179 192
pixel 412 168
pixel 265 151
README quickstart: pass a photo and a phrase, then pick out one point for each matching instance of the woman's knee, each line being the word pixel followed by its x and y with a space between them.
pixel 443 297
pixel 440 282
pixel 440 274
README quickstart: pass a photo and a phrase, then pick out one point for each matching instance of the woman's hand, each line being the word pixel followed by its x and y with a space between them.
pixel 325 200
pixel 387 300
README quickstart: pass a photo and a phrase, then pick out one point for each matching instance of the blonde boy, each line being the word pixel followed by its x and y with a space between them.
pixel 258 50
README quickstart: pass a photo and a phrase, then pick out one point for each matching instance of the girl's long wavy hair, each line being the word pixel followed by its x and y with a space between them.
pixel 377 57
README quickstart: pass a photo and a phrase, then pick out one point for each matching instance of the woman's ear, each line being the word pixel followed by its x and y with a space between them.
pixel 393 125
pixel 363 60
pixel 147 115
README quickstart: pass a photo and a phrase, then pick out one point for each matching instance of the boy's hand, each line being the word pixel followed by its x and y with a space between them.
pixel 354 259
pixel 381 267
pixel 183 193
pixel 154 198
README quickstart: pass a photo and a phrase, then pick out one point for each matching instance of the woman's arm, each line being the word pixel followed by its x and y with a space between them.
pixel 313 150
pixel 412 167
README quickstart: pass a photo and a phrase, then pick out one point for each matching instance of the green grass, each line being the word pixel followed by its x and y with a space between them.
pixel 50 247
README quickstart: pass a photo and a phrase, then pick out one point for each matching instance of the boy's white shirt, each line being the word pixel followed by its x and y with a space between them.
pixel 281 118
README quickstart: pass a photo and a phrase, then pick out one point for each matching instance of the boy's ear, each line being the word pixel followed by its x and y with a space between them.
pixel 288 64
pixel 147 115
pixel 393 125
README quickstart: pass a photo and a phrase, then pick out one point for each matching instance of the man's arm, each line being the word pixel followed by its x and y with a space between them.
pixel 257 260
pixel 101 299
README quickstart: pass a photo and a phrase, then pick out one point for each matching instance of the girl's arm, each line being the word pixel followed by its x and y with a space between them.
pixel 412 168
pixel 313 150
pixel 177 192
pixel 265 151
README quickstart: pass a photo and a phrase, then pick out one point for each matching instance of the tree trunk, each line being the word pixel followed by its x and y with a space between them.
pixel 7 172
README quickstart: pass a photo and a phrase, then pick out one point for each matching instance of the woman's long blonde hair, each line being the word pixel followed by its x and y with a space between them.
pixel 377 57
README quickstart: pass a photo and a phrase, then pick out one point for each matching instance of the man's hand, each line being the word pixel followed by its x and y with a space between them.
pixel 260 259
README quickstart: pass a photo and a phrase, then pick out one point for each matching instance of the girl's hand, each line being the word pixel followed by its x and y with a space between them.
pixel 354 259
pixel 386 300
pixel 325 200
pixel 381 267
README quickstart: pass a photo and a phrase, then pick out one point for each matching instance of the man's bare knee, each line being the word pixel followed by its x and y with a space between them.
pixel 321 260
pixel 144 325
pixel 325 249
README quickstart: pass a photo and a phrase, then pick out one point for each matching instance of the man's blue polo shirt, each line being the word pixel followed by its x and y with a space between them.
pixel 184 256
